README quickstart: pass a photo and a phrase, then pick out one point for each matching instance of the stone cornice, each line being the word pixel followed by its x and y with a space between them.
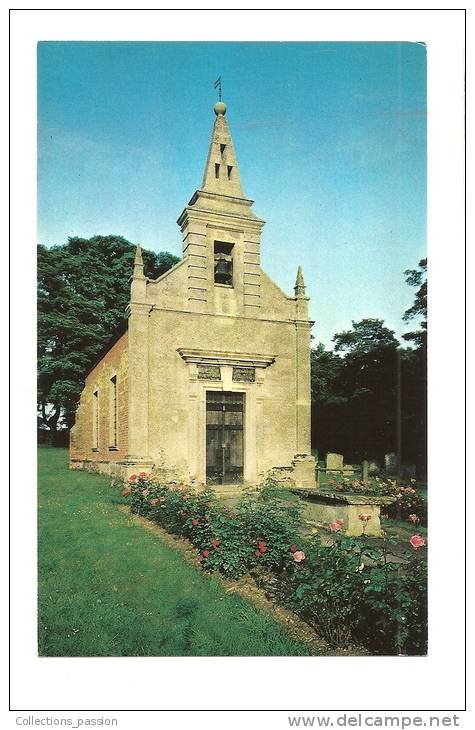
pixel 171 310
pixel 215 357
pixel 214 215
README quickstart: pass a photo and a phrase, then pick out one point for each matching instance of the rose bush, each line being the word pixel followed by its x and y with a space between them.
pixel 407 499
pixel 350 590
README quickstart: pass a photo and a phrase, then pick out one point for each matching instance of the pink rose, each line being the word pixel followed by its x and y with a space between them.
pixel 205 553
pixel 293 548
pixel 299 555
pixel 154 502
pixel 142 475
pixel 133 478
pixel 417 541
pixel 335 526
pixel 145 492
pixel 195 522
pixel 258 553
pixel 126 491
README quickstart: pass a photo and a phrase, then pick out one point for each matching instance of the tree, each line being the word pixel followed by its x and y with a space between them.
pixel 414 374
pixel 417 278
pixel 325 368
pixel 369 382
pixel 327 403
pixel 367 336
pixel 355 396
pixel 369 396
pixel 83 289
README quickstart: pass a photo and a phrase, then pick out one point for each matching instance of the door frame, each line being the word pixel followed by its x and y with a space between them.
pixel 236 391
pixel 253 441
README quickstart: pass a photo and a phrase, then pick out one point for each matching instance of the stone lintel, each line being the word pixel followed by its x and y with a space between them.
pixel 210 357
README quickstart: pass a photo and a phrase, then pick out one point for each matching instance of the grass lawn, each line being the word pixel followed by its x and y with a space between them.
pixel 109 587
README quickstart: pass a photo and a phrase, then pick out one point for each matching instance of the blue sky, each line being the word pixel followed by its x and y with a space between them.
pixel 330 139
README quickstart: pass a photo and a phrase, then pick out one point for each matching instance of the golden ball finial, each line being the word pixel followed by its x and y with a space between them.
pixel 220 109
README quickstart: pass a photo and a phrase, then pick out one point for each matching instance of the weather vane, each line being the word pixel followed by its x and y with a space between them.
pixel 217 85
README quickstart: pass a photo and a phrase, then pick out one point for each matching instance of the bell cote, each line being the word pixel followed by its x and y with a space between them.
pixel 221 234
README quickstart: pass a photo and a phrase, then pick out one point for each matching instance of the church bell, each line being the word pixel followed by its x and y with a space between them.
pixel 223 271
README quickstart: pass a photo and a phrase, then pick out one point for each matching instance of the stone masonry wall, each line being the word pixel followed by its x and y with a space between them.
pixel 82 451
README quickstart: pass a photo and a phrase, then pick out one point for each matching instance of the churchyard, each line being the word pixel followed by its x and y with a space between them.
pixel 223 576
pixel 109 587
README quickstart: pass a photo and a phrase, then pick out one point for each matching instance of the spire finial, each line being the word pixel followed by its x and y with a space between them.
pixel 217 85
pixel 299 283
pixel 220 106
pixel 138 263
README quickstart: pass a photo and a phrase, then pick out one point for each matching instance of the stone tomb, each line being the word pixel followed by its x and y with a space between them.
pixel 322 509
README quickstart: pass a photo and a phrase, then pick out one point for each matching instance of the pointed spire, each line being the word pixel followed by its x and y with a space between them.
pixel 299 283
pixel 221 174
pixel 138 264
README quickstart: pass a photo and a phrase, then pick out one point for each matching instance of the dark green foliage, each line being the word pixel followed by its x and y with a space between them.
pixel 414 376
pixel 369 396
pixel 355 411
pixel 349 590
pixel 259 532
pixel 395 605
pixel 83 290
pixel 368 337
pixel 418 278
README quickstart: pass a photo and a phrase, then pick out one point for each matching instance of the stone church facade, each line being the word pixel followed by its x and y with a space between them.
pixel 211 381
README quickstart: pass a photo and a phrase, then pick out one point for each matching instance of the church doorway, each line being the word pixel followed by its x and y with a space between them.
pixel 224 437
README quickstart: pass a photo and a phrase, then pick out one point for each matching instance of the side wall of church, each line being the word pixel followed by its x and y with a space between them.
pixel 97 442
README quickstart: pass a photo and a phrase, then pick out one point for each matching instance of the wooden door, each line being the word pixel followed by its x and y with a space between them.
pixel 224 437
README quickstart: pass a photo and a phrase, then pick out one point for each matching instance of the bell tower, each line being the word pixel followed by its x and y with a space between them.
pixel 221 234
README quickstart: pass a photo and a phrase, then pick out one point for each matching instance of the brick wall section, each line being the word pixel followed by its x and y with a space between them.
pixel 114 362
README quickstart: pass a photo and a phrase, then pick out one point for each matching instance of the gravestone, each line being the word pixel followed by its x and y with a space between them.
pixel 408 471
pixel 390 463
pixel 365 471
pixel 334 463
pixel 373 468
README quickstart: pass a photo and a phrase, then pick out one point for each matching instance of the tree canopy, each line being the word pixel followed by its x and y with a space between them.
pixel 417 278
pixel 356 411
pixel 83 289
pixel 369 393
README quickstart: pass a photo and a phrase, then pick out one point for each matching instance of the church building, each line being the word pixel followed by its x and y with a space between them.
pixel 211 381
